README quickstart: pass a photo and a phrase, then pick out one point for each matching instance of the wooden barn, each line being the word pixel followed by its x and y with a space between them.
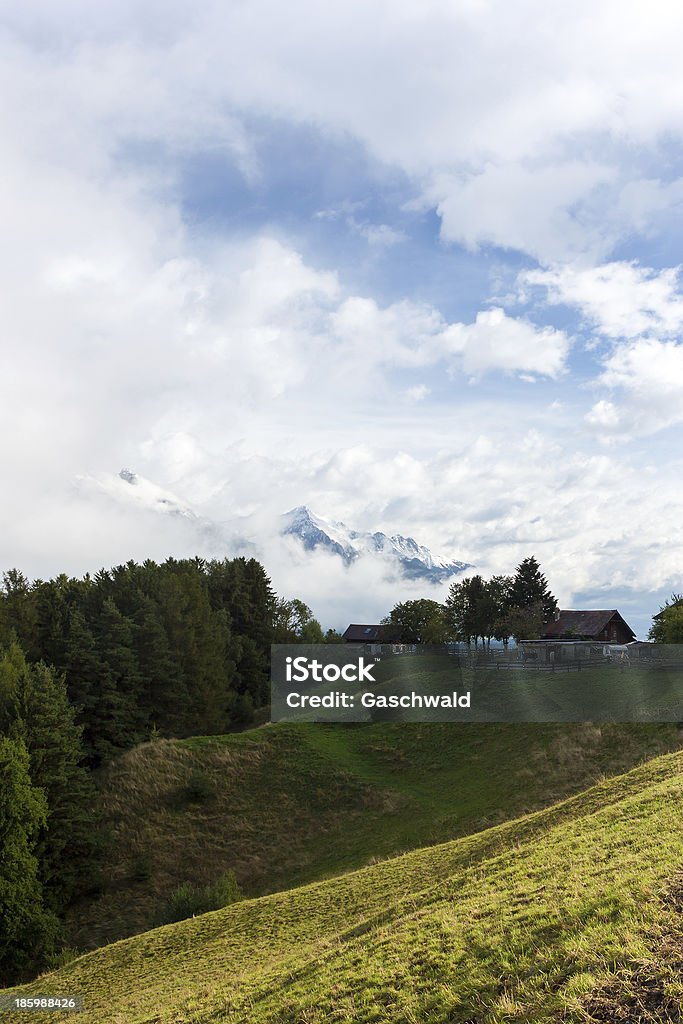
pixel 606 627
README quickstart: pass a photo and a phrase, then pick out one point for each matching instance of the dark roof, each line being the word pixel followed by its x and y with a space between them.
pixel 581 623
pixel 362 634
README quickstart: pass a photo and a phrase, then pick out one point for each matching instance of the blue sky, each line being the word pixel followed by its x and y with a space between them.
pixel 416 265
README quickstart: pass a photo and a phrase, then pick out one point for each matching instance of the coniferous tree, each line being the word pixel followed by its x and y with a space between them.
pixel 117 712
pixel 530 588
pixel 27 928
pixel 17 609
pixel 53 601
pixel 36 710
pixel 164 691
pixel 183 646
pixel 88 687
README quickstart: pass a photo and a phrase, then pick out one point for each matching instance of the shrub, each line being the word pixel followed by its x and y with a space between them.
pixel 223 891
pixel 199 788
pixel 190 900
pixel 63 956
pixel 185 901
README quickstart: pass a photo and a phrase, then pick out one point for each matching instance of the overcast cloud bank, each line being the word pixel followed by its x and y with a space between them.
pixel 415 265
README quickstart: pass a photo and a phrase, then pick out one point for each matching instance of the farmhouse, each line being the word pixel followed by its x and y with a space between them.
pixel 605 627
pixel 384 639
pixel 362 634
pixel 578 636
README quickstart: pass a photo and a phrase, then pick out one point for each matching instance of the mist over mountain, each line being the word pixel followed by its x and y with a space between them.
pixel 414 560
pixel 390 555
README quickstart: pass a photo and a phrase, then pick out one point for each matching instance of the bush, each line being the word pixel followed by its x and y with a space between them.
pixel 190 900
pixel 65 955
pixel 185 901
pixel 199 788
pixel 223 891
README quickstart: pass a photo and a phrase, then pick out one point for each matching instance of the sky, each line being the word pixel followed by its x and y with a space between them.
pixel 413 263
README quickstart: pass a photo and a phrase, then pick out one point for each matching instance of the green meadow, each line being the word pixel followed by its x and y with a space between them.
pixel 542 918
pixel 286 805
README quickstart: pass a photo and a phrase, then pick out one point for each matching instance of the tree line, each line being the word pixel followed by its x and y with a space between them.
pixel 478 610
pixel 517 606
pixel 179 649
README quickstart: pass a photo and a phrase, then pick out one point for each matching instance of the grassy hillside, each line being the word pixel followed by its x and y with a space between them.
pixel 286 805
pixel 565 911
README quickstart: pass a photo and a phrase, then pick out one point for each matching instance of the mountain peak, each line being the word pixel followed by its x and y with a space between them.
pixel 404 553
pixel 299 513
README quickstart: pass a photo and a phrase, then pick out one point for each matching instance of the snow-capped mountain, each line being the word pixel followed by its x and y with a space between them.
pixel 251 537
pixel 414 560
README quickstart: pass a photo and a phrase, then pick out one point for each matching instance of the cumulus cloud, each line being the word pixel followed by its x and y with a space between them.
pixel 529 208
pixel 497 341
pixel 639 312
pixel 412 335
pixel 647 374
pixel 619 299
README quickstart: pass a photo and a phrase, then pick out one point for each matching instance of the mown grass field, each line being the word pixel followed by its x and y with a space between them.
pixel 288 805
pixel 540 919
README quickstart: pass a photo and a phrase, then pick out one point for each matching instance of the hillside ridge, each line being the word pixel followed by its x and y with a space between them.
pixel 286 805
pixel 573 889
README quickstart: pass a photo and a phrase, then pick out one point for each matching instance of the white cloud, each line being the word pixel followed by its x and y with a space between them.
pixel 593 521
pixel 246 378
pixel 410 335
pixel 618 300
pixel 379 236
pixel 532 127
pixel 417 393
pixel 496 341
pixel 530 208
pixel 648 376
pixel 640 311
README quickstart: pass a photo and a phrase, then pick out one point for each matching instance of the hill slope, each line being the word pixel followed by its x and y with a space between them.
pixel 526 921
pixel 287 805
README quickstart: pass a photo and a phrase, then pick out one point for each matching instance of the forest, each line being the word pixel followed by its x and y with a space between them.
pixel 91 667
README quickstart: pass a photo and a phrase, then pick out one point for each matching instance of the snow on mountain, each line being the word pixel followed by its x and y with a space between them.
pixel 414 560
pixel 242 536
pixel 129 488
